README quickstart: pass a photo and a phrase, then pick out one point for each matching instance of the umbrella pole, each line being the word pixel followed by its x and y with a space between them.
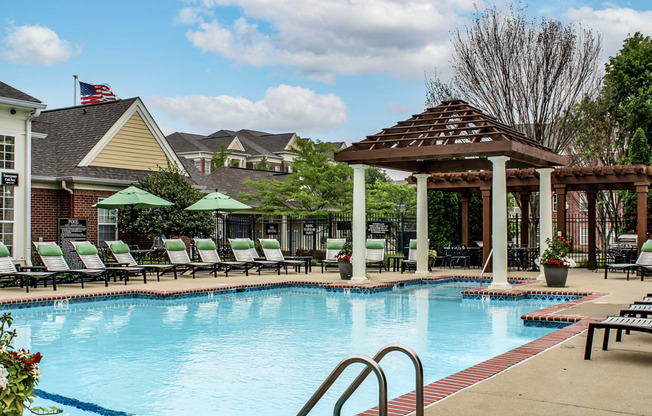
pixel 132 225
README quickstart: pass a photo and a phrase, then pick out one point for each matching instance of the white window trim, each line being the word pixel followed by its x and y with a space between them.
pixel 115 236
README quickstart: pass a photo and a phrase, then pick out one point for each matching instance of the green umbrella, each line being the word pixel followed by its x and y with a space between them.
pixel 133 198
pixel 217 201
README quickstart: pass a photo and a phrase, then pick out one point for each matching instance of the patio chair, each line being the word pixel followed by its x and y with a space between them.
pixel 642 310
pixel 411 262
pixel 459 254
pixel 375 253
pixel 176 250
pixel 620 324
pixel 90 258
pixel 242 252
pixel 52 258
pixel 122 254
pixel 9 274
pixel 272 251
pixel 644 259
pixel 333 246
pixel 207 250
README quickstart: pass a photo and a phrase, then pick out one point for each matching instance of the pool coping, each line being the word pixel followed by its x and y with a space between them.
pixel 404 405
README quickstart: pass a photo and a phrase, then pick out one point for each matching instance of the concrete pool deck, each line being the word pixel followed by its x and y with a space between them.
pixel 556 381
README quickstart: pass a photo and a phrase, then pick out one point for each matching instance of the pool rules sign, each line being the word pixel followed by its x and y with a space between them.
pixel 72 229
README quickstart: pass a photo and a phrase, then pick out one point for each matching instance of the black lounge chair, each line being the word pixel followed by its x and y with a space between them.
pixel 643 263
pixel 620 324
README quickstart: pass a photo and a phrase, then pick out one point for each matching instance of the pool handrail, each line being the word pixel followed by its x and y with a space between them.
pixel 371 364
pixel 418 369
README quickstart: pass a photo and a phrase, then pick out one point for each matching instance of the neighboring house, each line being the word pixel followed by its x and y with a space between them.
pixel 85 153
pixel 231 181
pixel 248 149
pixel 17 110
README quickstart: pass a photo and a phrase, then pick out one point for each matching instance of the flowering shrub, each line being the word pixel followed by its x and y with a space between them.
pixel 345 252
pixel 557 253
pixel 19 374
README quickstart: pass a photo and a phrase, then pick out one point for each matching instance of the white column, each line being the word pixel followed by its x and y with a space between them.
pixel 545 210
pixel 359 223
pixel 422 224
pixel 499 222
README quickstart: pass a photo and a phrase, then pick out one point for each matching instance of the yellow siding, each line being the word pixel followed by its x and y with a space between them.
pixel 235 146
pixel 133 147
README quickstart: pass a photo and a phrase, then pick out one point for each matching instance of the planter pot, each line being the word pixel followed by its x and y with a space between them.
pixel 555 275
pixel 346 269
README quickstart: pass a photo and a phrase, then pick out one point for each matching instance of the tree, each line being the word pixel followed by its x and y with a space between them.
pixel 373 175
pixel 391 199
pixel 527 73
pixel 219 158
pixel 170 184
pixel 262 164
pixel 317 185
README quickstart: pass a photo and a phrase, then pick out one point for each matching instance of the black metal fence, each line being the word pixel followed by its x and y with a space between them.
pixel 307 235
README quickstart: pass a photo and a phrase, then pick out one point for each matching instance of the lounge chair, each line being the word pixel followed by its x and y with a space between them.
pixel 208 253
pixel 411 262
pixel 333 246
pixel 640 310
pixel 176 250
pixel 9 274
pixel 90 258
pixel 242 252
pixel 643 263
pixel 618 323
pixel 272 250
pixel 122 254
pixel 375 253
pixel 52 258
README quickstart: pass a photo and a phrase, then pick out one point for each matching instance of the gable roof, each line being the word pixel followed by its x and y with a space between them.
pixel 7 91
pixel 76 135
pixel 231 181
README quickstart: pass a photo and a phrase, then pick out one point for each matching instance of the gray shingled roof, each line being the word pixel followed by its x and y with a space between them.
pixel 72 133
pixel 8 91
pixel 231 181
pixel 186 142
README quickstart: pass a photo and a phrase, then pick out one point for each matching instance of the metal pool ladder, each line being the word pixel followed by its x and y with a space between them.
pixel 371 365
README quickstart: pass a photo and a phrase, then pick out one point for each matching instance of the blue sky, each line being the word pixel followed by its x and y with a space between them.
pixel 326 69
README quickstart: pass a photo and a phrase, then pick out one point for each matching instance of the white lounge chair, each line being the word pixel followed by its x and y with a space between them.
pixel 176 250
pixel 90 258
pixel 375 253
pixel 9 274
pixel 272 250
pixel 242 252
pixel 333 246
pixel 207 250
pixel 643 263
pixel 122 254
pixel 52 258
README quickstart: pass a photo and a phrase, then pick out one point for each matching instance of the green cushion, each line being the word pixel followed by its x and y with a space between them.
pixel 334 245
pixel 4 251
pixel 48 251
pixel 377 245
pixel 175 245
pixel 250 243
pixel 270 244
pixel 647 246
pixel 240 245
pixel 206 245
pixel 413 245
pixel 86 249
pixel 120 248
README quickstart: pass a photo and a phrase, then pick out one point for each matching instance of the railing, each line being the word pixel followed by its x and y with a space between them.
pixel 371 365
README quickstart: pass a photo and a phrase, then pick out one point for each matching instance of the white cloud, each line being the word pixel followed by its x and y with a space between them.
pixel 38 45
pixel 323 38
pixel 284 108
pixel 613 23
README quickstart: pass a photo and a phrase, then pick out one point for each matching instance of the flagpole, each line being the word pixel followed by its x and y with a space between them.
pixel 74 95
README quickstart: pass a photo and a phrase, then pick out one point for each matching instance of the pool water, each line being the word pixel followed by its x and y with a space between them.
pixel 263 352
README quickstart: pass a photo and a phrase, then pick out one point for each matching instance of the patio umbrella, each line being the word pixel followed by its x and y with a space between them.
pixel 217 201
pixel 132 198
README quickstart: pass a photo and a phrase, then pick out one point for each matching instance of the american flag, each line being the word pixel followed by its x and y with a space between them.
pixel 95 93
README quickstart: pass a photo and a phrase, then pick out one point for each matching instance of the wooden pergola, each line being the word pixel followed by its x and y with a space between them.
pixel 589 180
pixel 453 136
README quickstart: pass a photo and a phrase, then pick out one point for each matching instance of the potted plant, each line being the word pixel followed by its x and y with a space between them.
pixel 555 262
pixel 344 261
pixel 19 374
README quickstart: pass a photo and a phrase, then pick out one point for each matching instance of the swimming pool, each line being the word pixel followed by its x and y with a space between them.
pixel 261 352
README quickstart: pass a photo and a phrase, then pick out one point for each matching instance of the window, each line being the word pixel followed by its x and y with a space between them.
pixel 198 164
pixel 207 166
pixel 7 152
pixel 7 216
pixel 277 168
pixel 584 236
pixel 584 203
pixel 554 203
pixel 107 224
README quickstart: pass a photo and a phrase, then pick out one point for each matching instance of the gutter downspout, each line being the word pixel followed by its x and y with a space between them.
pixel 72 198
pixel 28 185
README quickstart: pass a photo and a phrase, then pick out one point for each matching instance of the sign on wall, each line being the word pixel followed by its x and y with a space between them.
pixel 10 179
pixel 72 229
